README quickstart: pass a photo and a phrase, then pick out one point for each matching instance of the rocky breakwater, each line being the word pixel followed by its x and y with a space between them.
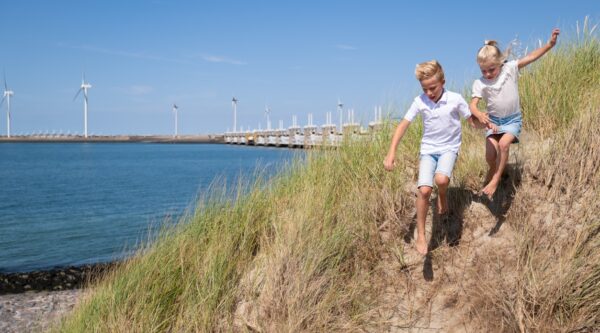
pixel 32 301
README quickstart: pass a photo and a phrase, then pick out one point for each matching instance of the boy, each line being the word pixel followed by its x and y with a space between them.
pixel 440 111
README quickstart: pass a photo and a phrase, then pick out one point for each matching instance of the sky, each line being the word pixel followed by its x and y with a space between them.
pixel 297 57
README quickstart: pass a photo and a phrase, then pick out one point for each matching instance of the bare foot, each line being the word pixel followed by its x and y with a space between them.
pixel 421 245
pixel 442 206
pixel 490 188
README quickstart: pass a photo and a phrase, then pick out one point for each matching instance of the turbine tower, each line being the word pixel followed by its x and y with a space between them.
pixel 7 94
pixel 267 113
pixel 84 87
pixel 340 106
pixel 175 107
pixel 234 104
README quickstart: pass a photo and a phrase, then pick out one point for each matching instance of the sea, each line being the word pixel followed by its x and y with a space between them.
pixel 69 204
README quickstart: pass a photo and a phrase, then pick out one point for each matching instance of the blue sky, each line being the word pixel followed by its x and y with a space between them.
pixel 298 57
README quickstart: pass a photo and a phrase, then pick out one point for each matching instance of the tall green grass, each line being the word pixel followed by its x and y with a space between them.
pixel 302 251
pixel 554 281
pixel 298 249
pixel 557 88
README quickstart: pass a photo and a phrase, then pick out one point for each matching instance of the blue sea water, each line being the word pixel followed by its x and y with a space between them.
pixel 76 203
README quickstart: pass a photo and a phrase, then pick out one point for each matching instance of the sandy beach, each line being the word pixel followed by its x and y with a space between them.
pixel 35 311
pixel 32 301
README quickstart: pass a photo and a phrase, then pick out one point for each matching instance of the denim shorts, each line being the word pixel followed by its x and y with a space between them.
pixel 510 124
pixel 431 164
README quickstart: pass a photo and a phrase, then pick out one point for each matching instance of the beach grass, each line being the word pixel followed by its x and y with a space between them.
pixel 311 250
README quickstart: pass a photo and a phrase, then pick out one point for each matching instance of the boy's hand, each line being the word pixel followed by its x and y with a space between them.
pixel 390 162
pixel 493 127
pixel 554 36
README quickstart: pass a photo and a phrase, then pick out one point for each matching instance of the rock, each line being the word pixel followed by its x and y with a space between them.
pixel 54 279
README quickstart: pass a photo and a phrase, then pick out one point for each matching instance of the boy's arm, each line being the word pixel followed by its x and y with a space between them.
pixel 389 161
pixel 474 122
pixel 536 54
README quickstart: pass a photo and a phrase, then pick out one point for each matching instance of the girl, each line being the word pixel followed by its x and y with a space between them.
pixel 498 88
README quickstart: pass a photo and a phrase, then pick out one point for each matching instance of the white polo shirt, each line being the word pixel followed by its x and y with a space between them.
pixel 441 121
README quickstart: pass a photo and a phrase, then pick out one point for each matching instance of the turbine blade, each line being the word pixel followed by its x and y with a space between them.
pixel 5 84
pixel 2 102
pixel 77 94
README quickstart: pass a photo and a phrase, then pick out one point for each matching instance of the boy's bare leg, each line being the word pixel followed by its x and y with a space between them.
pixel 503 145
pixel 491 156
pixel 422 206
pixel 442 182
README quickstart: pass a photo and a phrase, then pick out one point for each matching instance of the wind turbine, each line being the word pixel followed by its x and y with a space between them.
pixel 267 112
pixel 84 87
pixel 234 104
pixel 7 94
pixel 175 107
pixel 340 106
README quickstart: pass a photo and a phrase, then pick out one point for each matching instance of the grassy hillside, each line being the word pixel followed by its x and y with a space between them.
pixel 325 245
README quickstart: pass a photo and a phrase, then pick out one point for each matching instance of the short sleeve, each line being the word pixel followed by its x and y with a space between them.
pixel 476 91
pixel 463 107
pixel 513 68
pixel 412 111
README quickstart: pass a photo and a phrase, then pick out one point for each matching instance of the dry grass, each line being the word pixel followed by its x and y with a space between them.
pixel 320 246
pixel 295 253
pixel 552 283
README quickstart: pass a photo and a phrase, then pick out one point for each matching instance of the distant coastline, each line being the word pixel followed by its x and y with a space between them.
pixel 206 138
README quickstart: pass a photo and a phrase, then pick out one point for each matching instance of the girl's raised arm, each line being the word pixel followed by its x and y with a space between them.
pixel 536 54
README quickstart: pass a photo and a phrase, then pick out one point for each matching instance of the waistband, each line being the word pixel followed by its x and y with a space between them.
pixel 509 117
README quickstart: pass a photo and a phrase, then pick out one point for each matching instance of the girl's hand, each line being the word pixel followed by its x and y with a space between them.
pixel 537 53
pixel 554 36
pixel 483 118
pixel 493 127
pixel 389 163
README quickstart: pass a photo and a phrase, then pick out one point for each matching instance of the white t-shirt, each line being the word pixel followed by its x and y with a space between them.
pixel 502 93
pixel 441 121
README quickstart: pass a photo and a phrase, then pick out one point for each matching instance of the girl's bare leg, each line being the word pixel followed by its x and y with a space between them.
pixel 491 156
pixel 422 205
pixel 503 145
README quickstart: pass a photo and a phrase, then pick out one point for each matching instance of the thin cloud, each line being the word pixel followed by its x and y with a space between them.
pixel 346 47
pixel 121 53
pixel 219 59
pixel 146 56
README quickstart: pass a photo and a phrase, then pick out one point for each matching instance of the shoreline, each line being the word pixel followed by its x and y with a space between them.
pixel 34 301
pixel 55 279
pixel 36 311
pixel 209 138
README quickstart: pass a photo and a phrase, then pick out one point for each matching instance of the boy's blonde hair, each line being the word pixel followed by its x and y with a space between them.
pixel 490 53
pixel 429 69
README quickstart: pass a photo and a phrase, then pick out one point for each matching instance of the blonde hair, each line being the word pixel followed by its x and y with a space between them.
pixel 429 69
pixel 491 53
